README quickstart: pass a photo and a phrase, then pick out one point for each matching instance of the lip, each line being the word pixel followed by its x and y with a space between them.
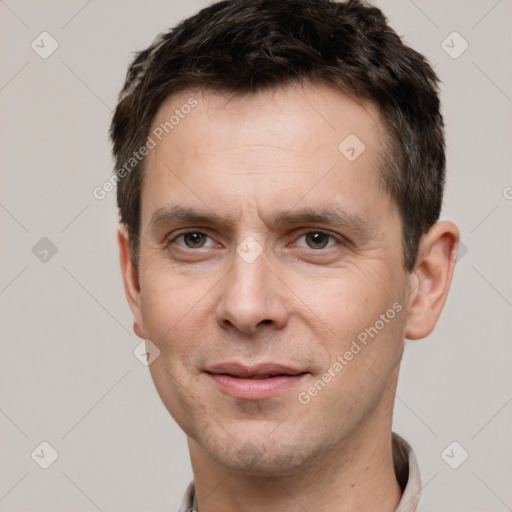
pixel 254 382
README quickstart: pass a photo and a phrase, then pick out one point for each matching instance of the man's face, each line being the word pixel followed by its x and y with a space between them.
pixel 264 289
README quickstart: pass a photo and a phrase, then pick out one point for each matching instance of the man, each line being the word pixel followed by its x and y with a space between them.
pixel 280 170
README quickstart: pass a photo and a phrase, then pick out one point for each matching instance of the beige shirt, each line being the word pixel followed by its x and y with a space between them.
pixel 406 470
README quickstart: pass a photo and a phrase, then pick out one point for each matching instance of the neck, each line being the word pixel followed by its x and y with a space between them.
pixel 357 474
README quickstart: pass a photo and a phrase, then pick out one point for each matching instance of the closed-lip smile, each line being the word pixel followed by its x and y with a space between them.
pixel 254 382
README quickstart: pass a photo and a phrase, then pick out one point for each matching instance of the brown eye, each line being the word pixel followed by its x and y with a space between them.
pixel 194 240
pixel 317 239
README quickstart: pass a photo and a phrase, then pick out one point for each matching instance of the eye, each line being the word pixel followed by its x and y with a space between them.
pixel 317 240
pixel 191 239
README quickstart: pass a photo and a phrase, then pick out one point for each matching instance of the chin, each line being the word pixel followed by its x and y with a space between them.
pixel 256 454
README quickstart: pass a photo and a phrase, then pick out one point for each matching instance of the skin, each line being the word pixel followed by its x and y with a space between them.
pixel 301 303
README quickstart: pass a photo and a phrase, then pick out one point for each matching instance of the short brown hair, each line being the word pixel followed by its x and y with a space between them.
pixel 244 46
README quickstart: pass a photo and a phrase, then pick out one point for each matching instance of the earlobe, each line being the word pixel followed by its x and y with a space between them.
pixel 431 279
pixel 130 280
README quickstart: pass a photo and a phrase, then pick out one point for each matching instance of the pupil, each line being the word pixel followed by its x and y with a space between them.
pixel 317 239
pixel 195 238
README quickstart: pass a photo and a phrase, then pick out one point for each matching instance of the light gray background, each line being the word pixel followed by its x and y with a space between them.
pixel 67 372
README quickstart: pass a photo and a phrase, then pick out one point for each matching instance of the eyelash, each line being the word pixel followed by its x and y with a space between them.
pixel 339 239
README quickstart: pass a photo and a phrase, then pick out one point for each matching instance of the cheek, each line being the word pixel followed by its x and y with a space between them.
pixel 170 307
pixel 357 298
pixel 365 312
pixel 367 315
pixel 174 321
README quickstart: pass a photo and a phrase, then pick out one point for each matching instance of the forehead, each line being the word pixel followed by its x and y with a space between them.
pixel 301 118
pixel 284 145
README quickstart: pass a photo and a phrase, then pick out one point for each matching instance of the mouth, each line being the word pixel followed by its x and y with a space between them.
pixel 254 382
pixel 260 376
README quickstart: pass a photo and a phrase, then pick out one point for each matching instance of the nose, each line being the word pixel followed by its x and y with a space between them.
pixel 252 296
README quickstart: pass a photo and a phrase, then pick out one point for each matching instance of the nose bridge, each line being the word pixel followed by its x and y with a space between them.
pixel 250 295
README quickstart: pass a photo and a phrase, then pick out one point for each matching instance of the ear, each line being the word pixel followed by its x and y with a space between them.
pixel 431 278
pixel 130 280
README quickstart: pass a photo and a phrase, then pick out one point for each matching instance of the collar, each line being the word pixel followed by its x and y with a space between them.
pixel 406 470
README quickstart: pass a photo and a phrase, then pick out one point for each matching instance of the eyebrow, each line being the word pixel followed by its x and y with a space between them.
pixel 332 216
